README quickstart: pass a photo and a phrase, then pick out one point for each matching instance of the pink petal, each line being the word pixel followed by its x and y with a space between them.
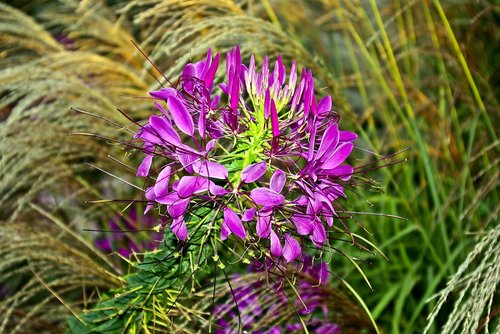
pixel 148 135
pixel 217 190
pixel 266 197
pixel 179 228
pixel 313 207
pixel 329 141
pixel 164 130
pixel 202 120
pixel 343 172
pixel 325 105
pixel 278 180
pixel 224 231
pixel 318 233
pixel 302 224
pixel 253 172
pixel 339 156
pixel 264 224
pixel 178 208
pixel 267 104
pixel 328 216
pixel 151 197
pixel 180 115
pixel 163 93
pixel 162 181
pixel 346 136
pixel 248 214
pixel 234 223
pixel 210 169
pixel 276 249
pixel 235 90
pixel 292 249
pixel 145 165
pixel 209 78
pixel 210 145
pixel 312 142
pixel 163 110
pixel 190 71
pixel 168 199
pixel 189 185
pixel 274 120
pixel 186 160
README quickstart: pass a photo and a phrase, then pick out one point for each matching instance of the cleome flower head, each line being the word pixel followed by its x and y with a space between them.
pixel 259 149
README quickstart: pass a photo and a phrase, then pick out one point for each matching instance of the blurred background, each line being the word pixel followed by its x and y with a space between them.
pixel 404 74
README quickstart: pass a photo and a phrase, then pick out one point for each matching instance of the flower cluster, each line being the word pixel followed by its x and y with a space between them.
pixel 258 148
pixel 253 304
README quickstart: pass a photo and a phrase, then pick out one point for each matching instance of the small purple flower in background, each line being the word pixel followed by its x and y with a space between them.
pixel 252 305
pixel 122 239
pixel 258 149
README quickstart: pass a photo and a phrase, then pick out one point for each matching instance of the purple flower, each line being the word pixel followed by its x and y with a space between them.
pixel 121 237
pixel 253 305
pixel 258 149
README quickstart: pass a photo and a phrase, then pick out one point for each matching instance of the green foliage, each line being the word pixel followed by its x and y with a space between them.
pixel 158 289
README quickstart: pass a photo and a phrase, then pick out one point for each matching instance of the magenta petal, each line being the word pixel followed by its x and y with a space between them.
pixel 209 78
pixel 215 102
pixel 312 142
pixel 167 199
pixel 347 136
pixel 248 214
pixel 328 214
pixel 210 169
pixel 210 145
pixel 224 231
pixel 179 228
pixel 266 197
pixel 234 223
pixel 178 208
pixel 162 128
pixel 163 110
pixel 340 155
pixel 292 249
pixel 217 190
pixel 189 71
pixel 234 96
pixel 263 224
pixel 253 172
pixel 302 224
pixel 329 141
pixel 186 160
pixel 301 200
pixel 181 115
pixel 267 104
pixel 278 180
pixel 163 93
pixel 150 196
pixel 318 233
pixel 274 120
pixel 325 105
pixel 189 185
pixel 162 181
pixel 145 165
pixel 202 121
pixel 276 249
pixel 343 172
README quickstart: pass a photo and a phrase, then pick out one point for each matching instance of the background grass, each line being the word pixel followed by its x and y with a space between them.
pixel 404 74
